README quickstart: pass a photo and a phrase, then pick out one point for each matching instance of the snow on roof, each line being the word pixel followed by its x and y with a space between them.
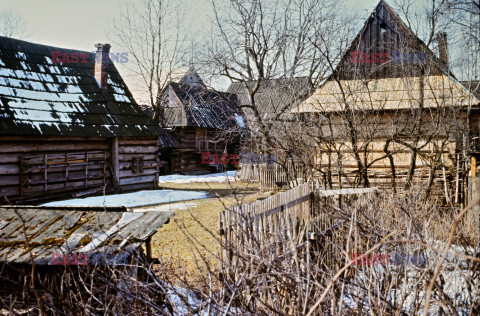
pixel 37 94
pixel 133 199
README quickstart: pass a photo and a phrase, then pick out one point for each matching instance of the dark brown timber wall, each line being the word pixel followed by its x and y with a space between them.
pixel 33 169
pixel 138 163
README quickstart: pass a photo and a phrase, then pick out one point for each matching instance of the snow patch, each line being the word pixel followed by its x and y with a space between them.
pixel 21 55
pixel 134 199
pixel 214 177
pixel 240 120
pixel 167 207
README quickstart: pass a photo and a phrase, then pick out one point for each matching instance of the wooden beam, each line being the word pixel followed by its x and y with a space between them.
pixel 148 247
pixel 473 167
pixel 115 163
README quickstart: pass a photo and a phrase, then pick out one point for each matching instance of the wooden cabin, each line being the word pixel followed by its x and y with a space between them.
pixel 394 114
pixel 70 126
pixel 205 123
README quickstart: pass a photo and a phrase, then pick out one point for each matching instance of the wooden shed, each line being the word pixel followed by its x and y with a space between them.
pixel 203 121
pixel 70 126
pixel 394 113
pixel 53 250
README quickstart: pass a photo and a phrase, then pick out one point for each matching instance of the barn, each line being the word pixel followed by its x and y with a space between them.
pixel 393 115
pixel 205 122
pixel 70 126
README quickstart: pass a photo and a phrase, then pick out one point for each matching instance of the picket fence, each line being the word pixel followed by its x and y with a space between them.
pixel 272 175
pixel 282 224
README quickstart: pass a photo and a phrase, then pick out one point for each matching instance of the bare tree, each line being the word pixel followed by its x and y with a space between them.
pixel 12 25
pixel 151 31
pixel 255 42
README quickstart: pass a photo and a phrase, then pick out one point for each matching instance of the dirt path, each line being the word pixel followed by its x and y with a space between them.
pixel 184 239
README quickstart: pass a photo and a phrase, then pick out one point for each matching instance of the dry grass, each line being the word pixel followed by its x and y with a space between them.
pixel 171 243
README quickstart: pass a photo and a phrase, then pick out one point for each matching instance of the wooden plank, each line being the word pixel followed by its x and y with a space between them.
pixel 130 173
pixel 473 167
pixel 115 160
pixel 137 149
pixel 128 157
pixel 346 191
pixel 15 147
pixel 138 179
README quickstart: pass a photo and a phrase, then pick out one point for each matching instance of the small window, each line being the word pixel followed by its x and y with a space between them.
pixel 137 164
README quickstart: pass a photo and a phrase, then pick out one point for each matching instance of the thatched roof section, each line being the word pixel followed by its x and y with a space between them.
pixel 274 98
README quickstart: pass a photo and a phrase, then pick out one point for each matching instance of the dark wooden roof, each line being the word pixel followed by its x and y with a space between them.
pixel 77 230
pixel 196 106
pixel 384 32
pixel 372 83
pixel 275 97
pixel 39 97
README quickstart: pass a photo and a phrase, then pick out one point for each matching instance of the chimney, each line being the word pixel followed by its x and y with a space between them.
pixel 442 46
pixel 101 65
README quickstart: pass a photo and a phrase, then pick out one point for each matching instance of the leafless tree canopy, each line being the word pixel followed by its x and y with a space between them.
pixel 12 25
pixel 151 31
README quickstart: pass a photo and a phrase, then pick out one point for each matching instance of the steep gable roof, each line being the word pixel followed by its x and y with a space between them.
pixel 274 98
pixel 40 97
pixel 387 67
pixel 386 47
pixel 187 104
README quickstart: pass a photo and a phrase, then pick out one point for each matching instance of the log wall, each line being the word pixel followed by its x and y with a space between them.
pixel 187 159
pixel 145 149
pixel 33 169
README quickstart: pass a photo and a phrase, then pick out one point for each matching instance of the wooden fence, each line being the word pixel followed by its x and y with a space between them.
pixel 282 224
pixel 272 175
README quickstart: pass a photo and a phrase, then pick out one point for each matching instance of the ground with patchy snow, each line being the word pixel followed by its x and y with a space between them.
pixel 134 199
pixel 167 207
pixel 214 177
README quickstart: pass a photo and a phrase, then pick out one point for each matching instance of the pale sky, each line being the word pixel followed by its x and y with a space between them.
pixel 80 24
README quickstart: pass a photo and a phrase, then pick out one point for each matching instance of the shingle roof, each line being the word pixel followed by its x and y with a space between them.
pixel 201 107
pixel 39 97
pixel 399 84
pixel 388 94
pixel 79 230
pixel 275 98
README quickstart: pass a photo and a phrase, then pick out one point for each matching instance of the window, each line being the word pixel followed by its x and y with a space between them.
pixel 137 164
